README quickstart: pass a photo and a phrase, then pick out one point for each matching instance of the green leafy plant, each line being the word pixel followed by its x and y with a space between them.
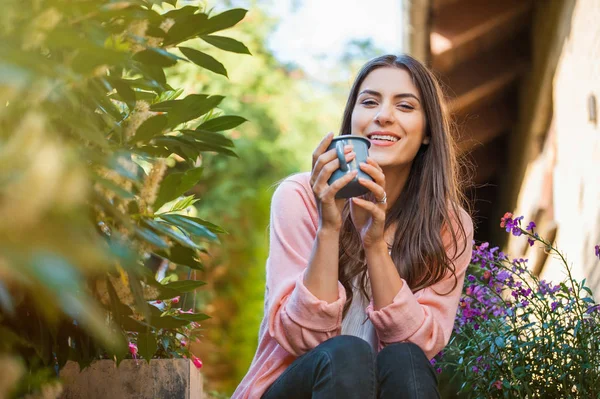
pixel 517 336
pixel 97 154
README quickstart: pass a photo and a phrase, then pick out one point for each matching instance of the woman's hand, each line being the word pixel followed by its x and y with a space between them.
pixel 324 164
pixel 369 217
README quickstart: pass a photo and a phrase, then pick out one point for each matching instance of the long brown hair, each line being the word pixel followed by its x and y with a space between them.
pixel 429 204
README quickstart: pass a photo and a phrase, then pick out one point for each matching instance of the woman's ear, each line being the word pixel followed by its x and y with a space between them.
pixel 426 140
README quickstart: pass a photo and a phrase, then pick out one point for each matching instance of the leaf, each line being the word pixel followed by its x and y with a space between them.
pixel 147 346
pixel 189 225
pixel 155 76
pixel 186 27
pixel 185 285
pixel 156 56
pixel 190 317
pixel 151 237
pixel 125 91
pixel 118 309
pixel 176 184
pixel 224 20
pixel 168 105
pixel 183 203
pixel 212 227
pixel 182 256
pixel 226 43
pixel 205 147
pixel 208 137
pixel 116 166
pixel 175 234
pixel 204 60
pixel 222 123
pixel 191 107
pixel 180 12
pixel 499 342
pixel 150 128
pixel 114 187
pixel 138 294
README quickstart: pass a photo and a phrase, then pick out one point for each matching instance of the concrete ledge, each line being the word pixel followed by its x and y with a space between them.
pixel 162 378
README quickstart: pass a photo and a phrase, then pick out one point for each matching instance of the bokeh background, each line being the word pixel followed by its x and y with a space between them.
pixel 522 79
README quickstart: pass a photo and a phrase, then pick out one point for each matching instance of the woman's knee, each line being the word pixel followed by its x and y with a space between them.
pixel 404 367
pixel 404 356
pixel 404 352
pixel 347 350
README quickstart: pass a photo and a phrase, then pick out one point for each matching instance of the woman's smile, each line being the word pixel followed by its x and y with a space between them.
pixel 383 138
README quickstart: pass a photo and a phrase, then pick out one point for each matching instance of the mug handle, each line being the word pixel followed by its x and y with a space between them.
pixel 339 149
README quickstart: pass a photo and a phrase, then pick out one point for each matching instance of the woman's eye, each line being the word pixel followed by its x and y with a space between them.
pixel 369 102
pixel 406 106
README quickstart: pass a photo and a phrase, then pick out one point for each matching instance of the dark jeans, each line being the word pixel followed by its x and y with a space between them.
pixel 344 367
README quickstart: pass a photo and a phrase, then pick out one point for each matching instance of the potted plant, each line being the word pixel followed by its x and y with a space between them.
pixel 517 336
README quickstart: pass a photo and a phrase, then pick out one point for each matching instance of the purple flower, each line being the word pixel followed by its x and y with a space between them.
pixel 530 226
pixel 554 305
pixel 597 251
pixel 530 241
pixel 502 275
pixel 438 370
pixel 471 277
pixel 592 309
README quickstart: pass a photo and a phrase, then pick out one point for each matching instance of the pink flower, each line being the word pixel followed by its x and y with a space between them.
pixel 183 343
pixel 175 300
pixel 133 349
pixel 507 216
pixel 498 384
pixel 197 362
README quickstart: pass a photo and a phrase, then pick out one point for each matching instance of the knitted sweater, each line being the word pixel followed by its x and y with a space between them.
pixel 295 321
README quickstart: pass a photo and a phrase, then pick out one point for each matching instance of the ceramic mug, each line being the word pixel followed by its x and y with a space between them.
pixel 361 148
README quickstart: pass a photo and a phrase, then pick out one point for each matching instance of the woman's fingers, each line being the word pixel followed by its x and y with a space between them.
pixel 376 212
pixel 372 169
pixel 326 192
pixel 328 162
pixel 327 157
pixel 375 188
pixel 322 147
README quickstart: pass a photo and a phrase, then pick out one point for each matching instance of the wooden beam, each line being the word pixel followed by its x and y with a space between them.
pixel 487 76
pixel 485 124
pixel 487 160
pixel 461 30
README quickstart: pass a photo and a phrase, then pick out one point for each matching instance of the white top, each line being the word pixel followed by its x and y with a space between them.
pixel 356 321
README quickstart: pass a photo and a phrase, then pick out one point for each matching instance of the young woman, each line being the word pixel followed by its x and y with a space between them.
pixel 361 293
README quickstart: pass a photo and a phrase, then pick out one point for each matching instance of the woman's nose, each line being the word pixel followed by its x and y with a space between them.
pixel 384 116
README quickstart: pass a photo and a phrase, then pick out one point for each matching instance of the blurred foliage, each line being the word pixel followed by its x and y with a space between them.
pixel 287 114
pixel 98 154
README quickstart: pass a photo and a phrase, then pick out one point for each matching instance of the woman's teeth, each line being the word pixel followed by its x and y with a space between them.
pixel 381 137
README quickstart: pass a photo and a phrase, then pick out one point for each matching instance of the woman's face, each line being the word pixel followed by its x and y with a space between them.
pixel 389 112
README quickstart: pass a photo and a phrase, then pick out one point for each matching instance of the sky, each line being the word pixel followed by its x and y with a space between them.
pixel 312 33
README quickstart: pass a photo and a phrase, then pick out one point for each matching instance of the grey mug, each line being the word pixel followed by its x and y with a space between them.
pixel 361 148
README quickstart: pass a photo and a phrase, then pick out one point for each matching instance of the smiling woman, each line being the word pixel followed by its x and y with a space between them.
pixel 367 286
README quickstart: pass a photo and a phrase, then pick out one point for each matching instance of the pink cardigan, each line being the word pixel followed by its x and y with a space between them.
pixel 295 321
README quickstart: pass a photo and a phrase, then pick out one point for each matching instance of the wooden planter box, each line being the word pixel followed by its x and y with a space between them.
pixel 162 378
